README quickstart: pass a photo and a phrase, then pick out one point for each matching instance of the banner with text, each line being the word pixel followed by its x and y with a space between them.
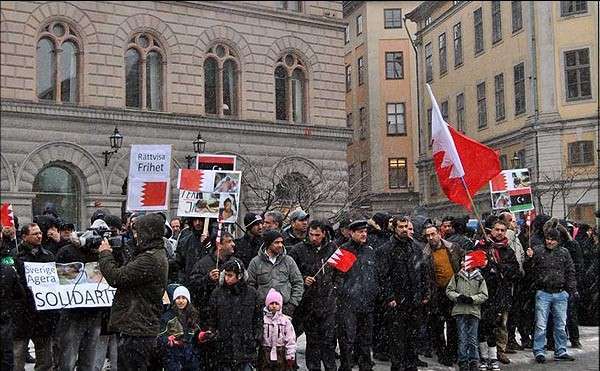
pixel 68 285
pixel 208 193
pixel 148 182
pixel 511 189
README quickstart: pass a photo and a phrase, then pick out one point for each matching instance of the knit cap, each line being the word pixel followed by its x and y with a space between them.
pixel 182 291
pixel 274 296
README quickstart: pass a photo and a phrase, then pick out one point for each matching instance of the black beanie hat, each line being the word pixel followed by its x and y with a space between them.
pixel 552 233
pixel 270 236
pixel 250 219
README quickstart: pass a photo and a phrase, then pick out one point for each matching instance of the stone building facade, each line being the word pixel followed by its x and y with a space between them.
pixel 521 77
pixel 261 80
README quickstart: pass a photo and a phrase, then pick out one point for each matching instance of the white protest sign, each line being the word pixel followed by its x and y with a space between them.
pixel 69 285
pixel 149 177
pixel 206 193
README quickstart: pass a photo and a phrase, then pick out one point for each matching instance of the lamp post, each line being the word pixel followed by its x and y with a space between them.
pixel 116 141
pixel 199 147
pixel 516 161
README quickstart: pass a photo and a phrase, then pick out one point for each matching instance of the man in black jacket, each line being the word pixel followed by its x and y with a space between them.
pixel 296 231
pixel 316 312
pixel 191 247
pixel 137 305
pixel 248 246
pixel 403 294
pixel 355 292
pixel 238 332
pixel 554 273
pixel 32 324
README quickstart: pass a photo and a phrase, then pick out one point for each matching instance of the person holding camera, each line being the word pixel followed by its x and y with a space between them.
pixel 140 283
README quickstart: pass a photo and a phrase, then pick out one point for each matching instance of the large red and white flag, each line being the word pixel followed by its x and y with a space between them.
pixel 475 259
pixel 342 260
pixel 7 218
pixel 460 162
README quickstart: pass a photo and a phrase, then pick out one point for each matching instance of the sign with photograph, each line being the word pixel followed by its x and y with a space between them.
pixel 215 162
pixel 511 189
pixel 148 182
pixel 206 193
pixel 68 285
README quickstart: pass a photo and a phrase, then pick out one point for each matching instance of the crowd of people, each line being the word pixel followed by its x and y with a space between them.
pixel 390 287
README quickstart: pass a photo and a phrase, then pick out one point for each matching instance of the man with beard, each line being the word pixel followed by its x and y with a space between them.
pixel 442 260
pixel 249 244
pixel 191 249
pixel 404 294
pixel 316 312
pixel 296 231
pixel 137 305
pixel 500 274
pixel 356 291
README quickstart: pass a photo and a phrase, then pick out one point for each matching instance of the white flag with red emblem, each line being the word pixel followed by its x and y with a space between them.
pixel 342 260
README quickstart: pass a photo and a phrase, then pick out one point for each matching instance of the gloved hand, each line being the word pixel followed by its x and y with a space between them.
pixel 464 299
pixel 290 364
pixel 173 342
pixel 575 296
pixel 205 336
pixel 288 309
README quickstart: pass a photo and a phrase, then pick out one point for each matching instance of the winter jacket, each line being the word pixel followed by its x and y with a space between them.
pixel 358 288
pixel 455 253
pixel 11 289
pixel 576 252
pixel 189 251
pixel 246 248
pixel 289 239
pixel 469 284
pixel 283 276
pixel 552 269
pixel 401 276
pixel 279 332
pixel 140 284
pixel 319 296
pixel 236 318
pixel 200 284
pixel 29 321
pixel 181 324
pixel 461 241
pixel 515 245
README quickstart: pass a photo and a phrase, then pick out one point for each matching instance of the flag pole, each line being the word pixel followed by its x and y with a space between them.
pixel 462 178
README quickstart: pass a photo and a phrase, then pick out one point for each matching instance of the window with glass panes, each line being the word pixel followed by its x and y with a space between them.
pixel 460 112
pixel 442 53
pixel 577 74
pixel 572 7
pixel 499 95
pixel 519 77
pixel 581 152
pixel 359 25
pixel 481 106
pixel 458 52
pixel 429 128
pixel 397 173
pixel 361 70
pixel 517 15
pixel 428 63
pixel 396 119
pixel 478 30
pixel 394 65
pixel 348 77
pixel 496 22
pixel 392 18
pixel 444 110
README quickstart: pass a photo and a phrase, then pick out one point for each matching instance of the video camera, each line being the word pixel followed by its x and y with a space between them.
pixel 92 238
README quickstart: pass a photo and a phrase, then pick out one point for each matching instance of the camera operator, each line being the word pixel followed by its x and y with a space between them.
pixel 140 283
pixel 80 327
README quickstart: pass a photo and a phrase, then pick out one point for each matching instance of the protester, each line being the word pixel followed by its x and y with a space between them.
pixel 459 234
pixel 137 305
pixel 554 274
pixel 237 332
pixel 468 290
pixel 190 249
pixel 442 260
pixel 404 293
pixel 356 291
pixel 273 268
pixel 343 233
pixel 446 229
pixel 249 245
pixel 30 323
pixel 278 349
pixel 177 336
pixel 176 227
pixel 316 312
pixel 297 229
pixel 273 220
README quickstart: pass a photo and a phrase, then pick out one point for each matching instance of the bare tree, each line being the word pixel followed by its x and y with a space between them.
pixel 557 186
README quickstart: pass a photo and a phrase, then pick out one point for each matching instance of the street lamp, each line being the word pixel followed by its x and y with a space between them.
pixel 199 146
pixel 516 161
pixel 116 141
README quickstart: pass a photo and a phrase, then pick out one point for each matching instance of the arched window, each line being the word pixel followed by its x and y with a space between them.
pixel 144 73
pixel 294 188
pixel 221 81
pixel 58 51
pixel 291 90
pixel 57 185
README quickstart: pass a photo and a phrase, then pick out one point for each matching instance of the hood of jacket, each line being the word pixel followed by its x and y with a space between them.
pixel 150 230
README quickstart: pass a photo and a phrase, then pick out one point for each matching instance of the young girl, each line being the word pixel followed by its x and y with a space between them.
pixel 278 349
pixel 468 290
pixel 178 326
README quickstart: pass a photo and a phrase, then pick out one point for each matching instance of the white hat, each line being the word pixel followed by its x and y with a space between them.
pixel 182 291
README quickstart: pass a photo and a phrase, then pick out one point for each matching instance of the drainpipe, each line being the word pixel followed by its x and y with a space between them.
pixel 534 93
pixel 418 86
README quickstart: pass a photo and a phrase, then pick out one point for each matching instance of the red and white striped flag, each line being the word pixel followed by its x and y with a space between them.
pixel 342 260
pixel 475 259
pixel 6 215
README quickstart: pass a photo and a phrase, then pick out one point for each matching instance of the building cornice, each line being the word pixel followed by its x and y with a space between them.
pixel 435 22
pixel 267 13
pixel 169 120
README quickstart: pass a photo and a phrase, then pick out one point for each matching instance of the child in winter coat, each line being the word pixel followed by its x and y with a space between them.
pixel 278 349
pixel 178 326
pixel 468 290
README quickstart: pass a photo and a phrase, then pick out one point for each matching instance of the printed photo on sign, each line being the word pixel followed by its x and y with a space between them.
pixel 228 208
pixel 70 273
pixel 500 200
pixel 93 274
pixel 198 204
pixel 227 182
pixel 215 162
pixel 208 204
pixel 520 179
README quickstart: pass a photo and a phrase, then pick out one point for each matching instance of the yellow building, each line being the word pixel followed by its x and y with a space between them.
pixel 380 69
pixel 521 77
